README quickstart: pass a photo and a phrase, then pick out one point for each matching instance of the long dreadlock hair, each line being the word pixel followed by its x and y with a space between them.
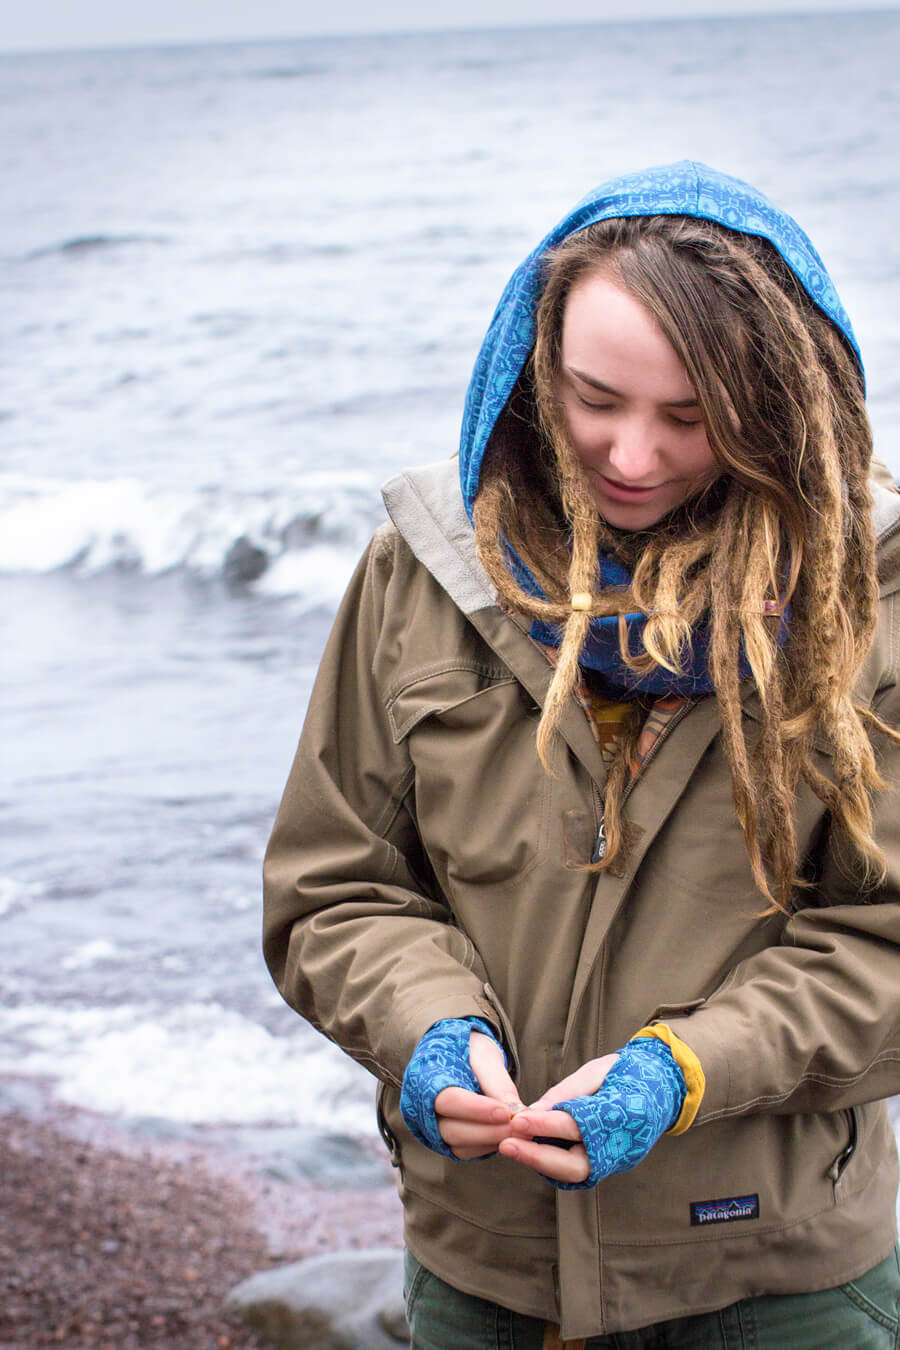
pixel 787 522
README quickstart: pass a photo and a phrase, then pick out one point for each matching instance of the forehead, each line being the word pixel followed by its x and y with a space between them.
pixel 610 335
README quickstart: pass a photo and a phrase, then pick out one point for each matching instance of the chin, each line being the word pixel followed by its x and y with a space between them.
pixel 631 518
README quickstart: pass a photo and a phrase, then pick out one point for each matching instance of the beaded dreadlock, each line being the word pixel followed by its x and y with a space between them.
pixel 787 522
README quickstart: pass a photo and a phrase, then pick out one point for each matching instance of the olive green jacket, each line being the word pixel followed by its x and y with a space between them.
pixel 424 866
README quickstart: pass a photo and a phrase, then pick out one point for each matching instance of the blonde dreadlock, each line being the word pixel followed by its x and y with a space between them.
pixel 787 522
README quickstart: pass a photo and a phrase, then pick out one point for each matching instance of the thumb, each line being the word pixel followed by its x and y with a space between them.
pixel 584 1082
pixel 488 1065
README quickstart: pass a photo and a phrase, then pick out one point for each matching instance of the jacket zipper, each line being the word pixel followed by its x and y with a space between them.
pixel 599 852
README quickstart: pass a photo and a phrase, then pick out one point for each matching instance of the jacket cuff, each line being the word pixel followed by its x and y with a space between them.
pixel 691 1068
pixel 408 1023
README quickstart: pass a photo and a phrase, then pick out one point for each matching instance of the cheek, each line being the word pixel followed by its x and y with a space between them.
pixel 585 432
pixel 700 462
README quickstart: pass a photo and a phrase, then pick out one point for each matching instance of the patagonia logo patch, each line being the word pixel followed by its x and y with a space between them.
pixel 724 1211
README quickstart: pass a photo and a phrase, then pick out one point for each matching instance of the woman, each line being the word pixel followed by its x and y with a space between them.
pixel 589 809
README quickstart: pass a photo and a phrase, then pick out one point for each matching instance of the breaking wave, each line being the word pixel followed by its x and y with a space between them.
pixel 303 539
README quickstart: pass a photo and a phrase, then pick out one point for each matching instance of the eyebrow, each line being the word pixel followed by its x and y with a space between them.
pixel 608 389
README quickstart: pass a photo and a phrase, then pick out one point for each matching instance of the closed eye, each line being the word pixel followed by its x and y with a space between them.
pixel 611 407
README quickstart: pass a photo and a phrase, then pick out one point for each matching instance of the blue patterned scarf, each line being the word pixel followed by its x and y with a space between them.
pixel 602 652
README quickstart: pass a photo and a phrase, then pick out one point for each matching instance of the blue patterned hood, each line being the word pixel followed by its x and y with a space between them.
pixel 683 189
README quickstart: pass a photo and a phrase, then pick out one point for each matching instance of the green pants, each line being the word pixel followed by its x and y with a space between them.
pixel 861 1315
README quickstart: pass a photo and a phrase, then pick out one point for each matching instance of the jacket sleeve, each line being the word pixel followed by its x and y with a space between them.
pixel 355 933
pixel 813 1024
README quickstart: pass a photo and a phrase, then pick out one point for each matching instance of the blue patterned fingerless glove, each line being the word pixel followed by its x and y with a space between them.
pixel 641 1097
pixel 440 1060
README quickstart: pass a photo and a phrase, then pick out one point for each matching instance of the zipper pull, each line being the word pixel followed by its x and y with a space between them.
pixel 599 852
pixel 836 1170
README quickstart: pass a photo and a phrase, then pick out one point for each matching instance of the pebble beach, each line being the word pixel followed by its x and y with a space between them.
pixel 112 1242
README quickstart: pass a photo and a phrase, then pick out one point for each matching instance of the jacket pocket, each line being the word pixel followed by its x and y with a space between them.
pixel 492 1193
pixel 868 1138
pixel 664 1010
pixel 481 799
pixel 684 1007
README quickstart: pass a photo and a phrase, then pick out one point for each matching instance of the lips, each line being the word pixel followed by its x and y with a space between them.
pixel 623 490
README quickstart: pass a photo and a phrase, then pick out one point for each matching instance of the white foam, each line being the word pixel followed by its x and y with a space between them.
pixel 200 1063
pixel 238 900
pixel 309 530
pixel 319 574
pixel 90 954
pixel 16 894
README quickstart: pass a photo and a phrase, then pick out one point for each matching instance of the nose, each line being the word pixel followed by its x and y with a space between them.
pixel 634 451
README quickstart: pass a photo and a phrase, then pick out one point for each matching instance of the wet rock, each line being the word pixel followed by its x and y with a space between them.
pixel 244 562
pixel 339 1301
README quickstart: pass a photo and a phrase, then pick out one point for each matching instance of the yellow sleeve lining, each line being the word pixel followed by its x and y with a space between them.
pixel 689 1065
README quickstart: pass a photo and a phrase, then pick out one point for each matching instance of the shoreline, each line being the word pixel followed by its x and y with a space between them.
pixel 111 1239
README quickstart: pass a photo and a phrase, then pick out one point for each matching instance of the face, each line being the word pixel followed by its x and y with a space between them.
pixel 631 410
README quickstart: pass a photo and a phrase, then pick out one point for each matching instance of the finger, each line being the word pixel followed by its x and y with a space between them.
pixel 469 1154
pixel 487 1063
pixel 570 1165
pixel 547 1124
pixel 464 1134
pixel 461 1104
pixel 584 1082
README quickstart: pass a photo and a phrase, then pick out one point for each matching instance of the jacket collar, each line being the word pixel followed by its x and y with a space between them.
pixel 426 505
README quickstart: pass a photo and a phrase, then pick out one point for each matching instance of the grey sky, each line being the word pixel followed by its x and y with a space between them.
pixel 95 23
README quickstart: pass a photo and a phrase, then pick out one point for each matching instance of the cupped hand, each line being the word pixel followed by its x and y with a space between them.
pixel 473 1123
pixel 567 1161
